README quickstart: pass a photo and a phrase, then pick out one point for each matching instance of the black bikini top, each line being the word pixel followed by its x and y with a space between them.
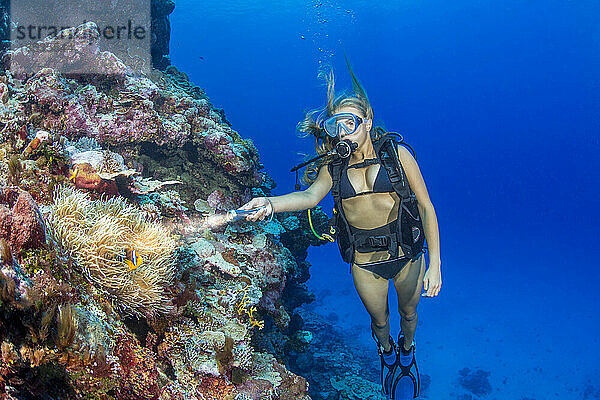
pixel 382 182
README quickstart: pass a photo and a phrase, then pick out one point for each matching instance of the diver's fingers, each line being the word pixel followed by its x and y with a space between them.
pixel 249 205
pixel 253 217
pixel 263 213
pixel 427 288
pixel 257 215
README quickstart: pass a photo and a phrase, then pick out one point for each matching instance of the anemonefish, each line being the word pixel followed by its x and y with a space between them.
pixel 131 258
pixel 74 173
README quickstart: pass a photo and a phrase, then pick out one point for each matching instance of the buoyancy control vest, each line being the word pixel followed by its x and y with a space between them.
pixel 406 232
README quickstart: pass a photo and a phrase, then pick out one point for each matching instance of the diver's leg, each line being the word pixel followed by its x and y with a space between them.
pixel 373 291
pixel 409 283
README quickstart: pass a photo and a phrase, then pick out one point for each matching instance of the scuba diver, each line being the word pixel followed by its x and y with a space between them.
pixel 382 215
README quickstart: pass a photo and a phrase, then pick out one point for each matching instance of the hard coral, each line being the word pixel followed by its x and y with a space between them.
pixel 192 350
pixel 139 375
pixel 269 379
pixel 292 386
pixel 353 387
pixel 214 388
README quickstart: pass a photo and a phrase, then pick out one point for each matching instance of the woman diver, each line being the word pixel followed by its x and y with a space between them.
pixel 376 218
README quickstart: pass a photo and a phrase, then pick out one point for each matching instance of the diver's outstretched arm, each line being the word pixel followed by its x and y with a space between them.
pixel 294 201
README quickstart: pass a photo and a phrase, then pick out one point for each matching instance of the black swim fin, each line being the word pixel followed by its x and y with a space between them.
pixel 406 383
pixel 389 361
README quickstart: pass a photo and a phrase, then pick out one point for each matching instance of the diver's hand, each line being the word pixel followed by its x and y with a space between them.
pixel 261 214
pixel 432 282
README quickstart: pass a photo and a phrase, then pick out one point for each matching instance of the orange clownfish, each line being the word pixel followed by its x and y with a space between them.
pixel 131 258
pixel 74 173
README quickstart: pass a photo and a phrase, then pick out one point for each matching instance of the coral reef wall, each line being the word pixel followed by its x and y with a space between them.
pixel 121 276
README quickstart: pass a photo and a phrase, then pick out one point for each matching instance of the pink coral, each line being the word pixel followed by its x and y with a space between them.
pixel 139 373
pixel 139 110
pixel 48 88
pixel 215 388
pixel 219 201
pixel 21 223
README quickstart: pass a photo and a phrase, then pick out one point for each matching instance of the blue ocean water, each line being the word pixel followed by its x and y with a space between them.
pixel 501 101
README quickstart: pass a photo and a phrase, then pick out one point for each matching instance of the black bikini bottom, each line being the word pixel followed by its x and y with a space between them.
pixel 388 269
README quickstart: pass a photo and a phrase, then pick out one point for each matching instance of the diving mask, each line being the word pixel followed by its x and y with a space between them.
pixel 342 122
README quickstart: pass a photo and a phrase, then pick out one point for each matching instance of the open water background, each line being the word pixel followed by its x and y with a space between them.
pixel 501 100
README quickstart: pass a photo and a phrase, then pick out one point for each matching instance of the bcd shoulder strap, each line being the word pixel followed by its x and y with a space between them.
pixel 344 236
pixel 335 170
pixel 387 152
pixel 411 237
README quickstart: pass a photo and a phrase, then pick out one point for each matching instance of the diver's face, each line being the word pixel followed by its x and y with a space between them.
pixel 361 135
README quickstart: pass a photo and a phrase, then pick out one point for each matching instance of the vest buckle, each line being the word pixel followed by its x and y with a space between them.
pixel 378 241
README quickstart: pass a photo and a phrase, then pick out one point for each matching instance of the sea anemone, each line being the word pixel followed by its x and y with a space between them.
pixel 69 214
pixel 96 233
